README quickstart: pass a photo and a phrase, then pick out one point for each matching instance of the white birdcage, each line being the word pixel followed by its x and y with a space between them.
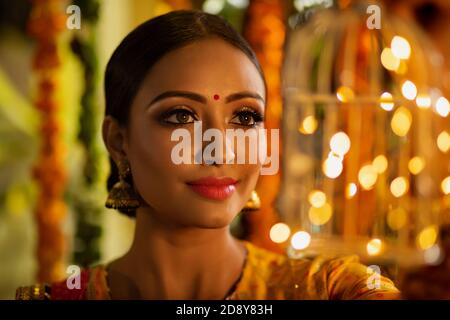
pixel 365 130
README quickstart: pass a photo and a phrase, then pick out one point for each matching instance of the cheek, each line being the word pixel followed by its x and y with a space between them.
pixel 153 172
pixel 249 177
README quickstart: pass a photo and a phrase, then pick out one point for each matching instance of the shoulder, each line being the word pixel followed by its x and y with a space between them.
pixel 341 277
pixel 277 276
pixel 90 284
pixel 273 262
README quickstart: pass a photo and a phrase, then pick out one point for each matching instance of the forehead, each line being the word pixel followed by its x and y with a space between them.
pixel 208 66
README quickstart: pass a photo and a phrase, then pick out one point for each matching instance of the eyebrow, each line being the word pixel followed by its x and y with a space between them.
pixel 199 98
pixel 243 95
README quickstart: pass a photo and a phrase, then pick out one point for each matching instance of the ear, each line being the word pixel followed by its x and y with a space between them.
pixel 114 137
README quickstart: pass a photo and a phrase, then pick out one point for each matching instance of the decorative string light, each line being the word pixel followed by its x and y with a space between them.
pixel 442 107
pixel 367 176
pixel 351 190
pixel 409 90
pixel 386 101
pixel 400 47
pixel 401 121
pixel 279 232
pixel 300 240
pixel 308 125
pixel 399 186
pixel 374 247
pixel 380 119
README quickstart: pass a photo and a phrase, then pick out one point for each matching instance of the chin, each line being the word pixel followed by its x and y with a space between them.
pixel 214 217
pixel 217 222
pixel 212 225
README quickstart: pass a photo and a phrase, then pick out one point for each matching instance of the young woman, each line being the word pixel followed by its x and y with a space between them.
pixel 172 71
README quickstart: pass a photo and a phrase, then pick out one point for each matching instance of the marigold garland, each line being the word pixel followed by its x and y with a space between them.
pixel 46 22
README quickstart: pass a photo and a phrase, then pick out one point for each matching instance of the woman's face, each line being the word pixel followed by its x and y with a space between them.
pixel 224 91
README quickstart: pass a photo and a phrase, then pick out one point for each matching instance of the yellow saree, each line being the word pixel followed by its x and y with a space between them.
pixel 266 275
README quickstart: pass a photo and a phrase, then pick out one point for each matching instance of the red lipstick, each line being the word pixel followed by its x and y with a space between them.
pixel 214 188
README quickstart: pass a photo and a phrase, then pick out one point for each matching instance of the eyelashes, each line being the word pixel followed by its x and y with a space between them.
pixel 178 116
pixel 245 116
pixel 248 117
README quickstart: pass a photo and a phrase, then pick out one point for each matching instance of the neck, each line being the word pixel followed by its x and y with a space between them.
pixel 173 262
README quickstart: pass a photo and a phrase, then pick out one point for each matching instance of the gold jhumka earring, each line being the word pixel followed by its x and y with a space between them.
pixel 254 203
pixel 122 196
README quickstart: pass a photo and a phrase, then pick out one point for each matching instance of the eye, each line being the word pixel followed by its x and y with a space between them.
pixel 179 116
pixel 247 117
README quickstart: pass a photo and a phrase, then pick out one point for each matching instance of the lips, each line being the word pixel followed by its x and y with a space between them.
pixel 214 188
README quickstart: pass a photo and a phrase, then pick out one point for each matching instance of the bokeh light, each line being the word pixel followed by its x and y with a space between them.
pixel 389 60
pixel 445 185
pixel 300 240
pixel 332 167
pixel 401 121
pixel 317 198
pixel 340 143
pixel 399 186
pixel 308 125
pixel 427 237
pixel 386 101
pixel 345 94
pixel 416 165
pixel 397 218
pixel 367 177
pixel 409 90
pixel 351 190
pixel 443 141
pixel 374 247
pixel 380 164
pixel 280 232
pixel 423 101
pixel 400 47
pixel 442 107
pixel 320 216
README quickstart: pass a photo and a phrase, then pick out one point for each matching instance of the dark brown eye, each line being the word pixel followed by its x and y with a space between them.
pixel 179 116
pixel 247 118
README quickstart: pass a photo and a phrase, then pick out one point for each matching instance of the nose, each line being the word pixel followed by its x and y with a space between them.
pixel 227 156
pixel 216 148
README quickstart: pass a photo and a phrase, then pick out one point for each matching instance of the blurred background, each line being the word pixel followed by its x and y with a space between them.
pixel 54 167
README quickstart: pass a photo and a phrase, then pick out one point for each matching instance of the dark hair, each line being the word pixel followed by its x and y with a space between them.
pixel 149 42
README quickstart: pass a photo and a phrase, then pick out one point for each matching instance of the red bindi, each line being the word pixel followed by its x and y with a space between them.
pixel 216 97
